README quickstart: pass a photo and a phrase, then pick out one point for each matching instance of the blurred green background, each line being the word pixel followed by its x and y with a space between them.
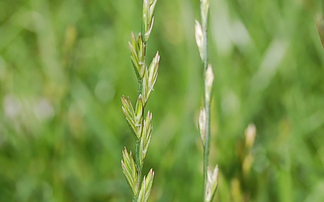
pixel 64 65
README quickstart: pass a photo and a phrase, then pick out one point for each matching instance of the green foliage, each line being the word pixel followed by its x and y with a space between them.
pixel 64 65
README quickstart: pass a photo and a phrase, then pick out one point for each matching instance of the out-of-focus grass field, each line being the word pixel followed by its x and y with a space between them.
pixel 64 65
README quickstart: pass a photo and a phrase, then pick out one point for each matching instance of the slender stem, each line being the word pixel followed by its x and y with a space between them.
pixel 138 166
pixel 140 86
pixel 138 141
pixel 138 147
pixel 206 147
pixel 322 7
pixel 207 108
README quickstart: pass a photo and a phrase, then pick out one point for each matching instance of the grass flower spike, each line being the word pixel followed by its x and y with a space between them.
pixel 148 17
pixel 210 178
pixel 209 79
pixel 211 185
pixel 200 40
pixel 129 170
pixel 202 125
pixel 137 48
pixel 141 126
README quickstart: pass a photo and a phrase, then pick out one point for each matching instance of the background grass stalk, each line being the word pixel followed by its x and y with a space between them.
pixel 206 147
pixel 206 101
pixel 209 177
pixel 207 108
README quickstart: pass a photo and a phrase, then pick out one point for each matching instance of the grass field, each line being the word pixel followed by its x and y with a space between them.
pixel 65 64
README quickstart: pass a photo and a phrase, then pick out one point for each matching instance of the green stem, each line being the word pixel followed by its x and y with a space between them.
pixel 207 108
pixel 138 143
pixel 138 166
pixel 140 86
pixel 138 148
pixel 207 145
